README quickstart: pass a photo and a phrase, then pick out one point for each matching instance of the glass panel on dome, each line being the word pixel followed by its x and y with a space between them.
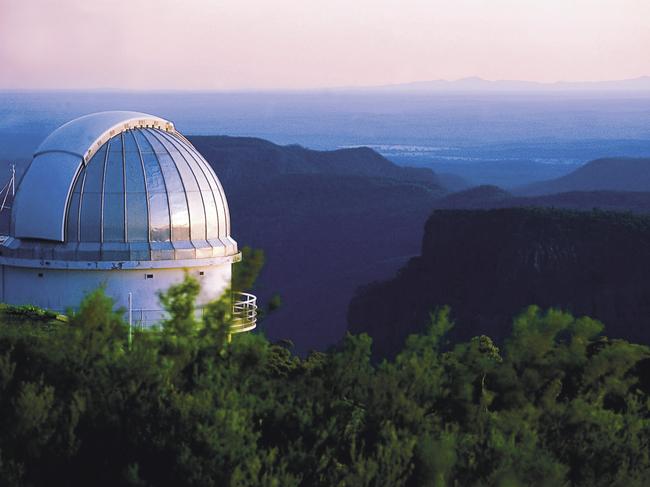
pixel 217 190
pixel 208 188
pixel 180 216
pixel 72 219
pixel 143 146
pixel 197 215
pixel 133 166
pixel 212 217
pixel 158 148
pixel 224 220
pixel 137 218
pixel 189 180
pixel 198 159
pixel 72 227
pixel 72 222
pixel 186 173
pixel 175 190
pixel 91 198
pixel 129 142
pixel 156 191
pixel 114 179
pixel 161 136
pixel 160 231
pixel 90 218
pixel 113 217
pixel 196 169
pixel 114 193
pixel 96 164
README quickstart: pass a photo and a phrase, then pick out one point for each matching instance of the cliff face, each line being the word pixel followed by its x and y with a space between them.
pixel 489 265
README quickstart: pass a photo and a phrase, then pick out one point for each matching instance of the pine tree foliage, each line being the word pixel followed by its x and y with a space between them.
pixel 558 404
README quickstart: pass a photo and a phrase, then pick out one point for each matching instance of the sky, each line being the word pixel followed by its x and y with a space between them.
pixel 306 44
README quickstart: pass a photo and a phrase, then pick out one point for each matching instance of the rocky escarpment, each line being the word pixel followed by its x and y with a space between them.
pixel 489 265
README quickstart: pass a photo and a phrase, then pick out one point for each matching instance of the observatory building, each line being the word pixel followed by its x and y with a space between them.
pixel 121 200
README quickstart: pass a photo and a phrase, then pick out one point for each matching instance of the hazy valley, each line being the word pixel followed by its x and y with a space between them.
pixel 331 221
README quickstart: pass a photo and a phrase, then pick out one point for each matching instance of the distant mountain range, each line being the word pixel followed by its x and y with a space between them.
pixel 491 197
pixel 616 184
pixel 611 174
pixel 641 83
pixel 490 265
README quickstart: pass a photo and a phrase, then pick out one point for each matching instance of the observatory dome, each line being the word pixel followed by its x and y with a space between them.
pixel 119 186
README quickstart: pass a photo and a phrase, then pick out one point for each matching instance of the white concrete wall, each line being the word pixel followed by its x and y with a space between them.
pixel 59 289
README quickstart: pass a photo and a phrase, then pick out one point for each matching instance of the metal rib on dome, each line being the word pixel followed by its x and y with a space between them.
pixel 144 194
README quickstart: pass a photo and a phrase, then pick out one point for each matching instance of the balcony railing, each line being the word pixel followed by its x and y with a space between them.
pixel 243 318
pixel 244 312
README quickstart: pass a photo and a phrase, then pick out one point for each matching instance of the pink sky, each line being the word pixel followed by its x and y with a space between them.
pixel 262 44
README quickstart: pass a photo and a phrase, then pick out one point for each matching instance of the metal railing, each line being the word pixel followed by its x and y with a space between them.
pixel 148 318
pixel 244 312
pixel 243 318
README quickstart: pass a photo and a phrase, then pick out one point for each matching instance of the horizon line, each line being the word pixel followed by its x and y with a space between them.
pixel 532 85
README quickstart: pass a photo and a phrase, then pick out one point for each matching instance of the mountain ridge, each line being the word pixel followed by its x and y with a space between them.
pixel 262 157
pixel 476 83
pixel 492 197
pixel 604 174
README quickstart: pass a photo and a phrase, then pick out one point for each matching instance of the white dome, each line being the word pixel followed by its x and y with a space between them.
pixel 119 186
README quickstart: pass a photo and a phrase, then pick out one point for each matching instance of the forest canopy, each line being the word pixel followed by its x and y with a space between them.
pixel 557 404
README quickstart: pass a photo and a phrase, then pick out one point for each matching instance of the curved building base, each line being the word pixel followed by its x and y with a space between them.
pixel 62 289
